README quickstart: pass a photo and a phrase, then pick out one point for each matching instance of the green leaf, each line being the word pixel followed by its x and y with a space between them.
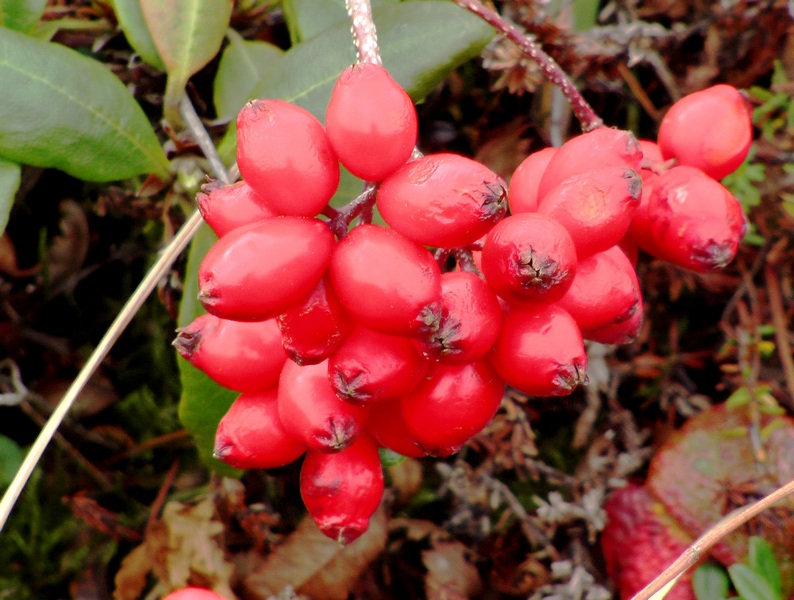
pixel 203 402
pixel 307 18
pixel 762 560
pixel 10 176
pixel 21 15
pixel 10 460
pixel 710 582
pixel 130 17
pixel 64 110
pixel 750 584
pixel 242 64
pixel 187 35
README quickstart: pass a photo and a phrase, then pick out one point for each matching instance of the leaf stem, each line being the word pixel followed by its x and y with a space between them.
pixel 583 111
pixel 125 316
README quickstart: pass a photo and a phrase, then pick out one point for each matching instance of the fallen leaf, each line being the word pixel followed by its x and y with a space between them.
pixel 8 259
pixel 450 574
pixel 406 479
pixel 316 565
pixel 68 251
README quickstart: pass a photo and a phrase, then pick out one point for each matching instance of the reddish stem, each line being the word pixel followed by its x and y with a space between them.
pixel 362 206
pixel 583 111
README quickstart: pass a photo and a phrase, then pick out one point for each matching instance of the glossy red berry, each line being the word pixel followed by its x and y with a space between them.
pixel 540 351
pixel 262 270
pixel 284 153
pixel 387 427
pixel 371 366
pixel 605 291
pixel 452 406
pixel 711 129
pixel 242 356
pixel 443 200
pixel 193 593
pixel 602 147
pixel 522 195
pixel 595 207
pixel 529 257
pixel 251 435
pixel 386 281
pixel 342 491
pixel 228 207
pixel 311 411
pixel 695 222
pixel 371 122
pixel 618 333
pixel 312 330
pixel 470 319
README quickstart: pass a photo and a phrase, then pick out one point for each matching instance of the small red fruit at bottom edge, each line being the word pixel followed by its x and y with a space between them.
pixel 711 129
pixel 251 436
pixel 529 257
pixel 540 351
pixel 226 207
pixel 639 542
pixel 311 411
pixel 193 593
pixel 452 406
pixel 342 491
pixel 371 122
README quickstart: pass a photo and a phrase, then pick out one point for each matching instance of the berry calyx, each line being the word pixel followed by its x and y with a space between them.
pixel 371 122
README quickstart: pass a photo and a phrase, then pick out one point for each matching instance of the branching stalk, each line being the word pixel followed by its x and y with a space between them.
pixel 363 29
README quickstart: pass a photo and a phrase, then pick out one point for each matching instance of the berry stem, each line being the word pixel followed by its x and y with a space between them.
pixel 583 111
pixel 362 206
pixel 363 29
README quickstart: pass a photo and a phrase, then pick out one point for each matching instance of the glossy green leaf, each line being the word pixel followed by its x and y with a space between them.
pixel 761 559
pixel 710 582
pixel 133 24
pixel 10 175
pixel 21 15
pixel 242 64
pixel 64 110
pixel 750 584
pixel 203 402
pixel 10 460
pixel 307 18
pixel 187 35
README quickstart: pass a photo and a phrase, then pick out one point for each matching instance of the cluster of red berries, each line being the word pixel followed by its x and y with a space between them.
pixel 345 339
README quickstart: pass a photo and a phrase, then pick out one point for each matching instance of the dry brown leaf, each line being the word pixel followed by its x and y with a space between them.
pixel 450 575
pixel 183 548
pixel 8 259
pixel 68 250
pixel 406 479
pixel 315 565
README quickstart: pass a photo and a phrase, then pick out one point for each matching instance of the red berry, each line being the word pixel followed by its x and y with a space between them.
pixel 251 436
pixel 651 157
pixel 470 319
pixel 228 207
pixel 639 541
pixel 193 593
pixel 371 366
pixel 311 331
pixel 371 122
pixel 387 427
pixel 342 491
pixel 261 270
pixel 386 281
pixel 246 357
pixel 695 222
pixel 605 291
pixel 603 147
pixel 540 351
pixel 522 195
pixel 311 411
pixel 443 200
pixel 529 257
pixel 452 406
pixel 618 333
pixel 284 153
pixel 710 129
pixel 595 207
